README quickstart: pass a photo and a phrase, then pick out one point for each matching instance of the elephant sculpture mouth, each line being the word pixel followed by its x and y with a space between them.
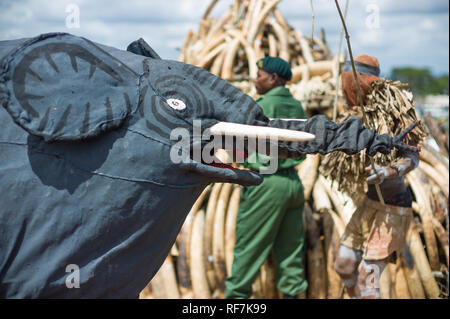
pixel 232 145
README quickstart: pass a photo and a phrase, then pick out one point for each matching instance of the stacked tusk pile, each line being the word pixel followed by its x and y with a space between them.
pixel 203 253
pixel 230 46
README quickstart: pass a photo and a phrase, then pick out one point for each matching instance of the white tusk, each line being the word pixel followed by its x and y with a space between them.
pixel 296 120
pixel 234 129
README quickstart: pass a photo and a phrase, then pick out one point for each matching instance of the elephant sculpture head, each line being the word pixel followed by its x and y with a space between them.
pixel 86 171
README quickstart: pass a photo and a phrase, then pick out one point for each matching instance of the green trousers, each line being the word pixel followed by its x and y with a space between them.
pixel 270 217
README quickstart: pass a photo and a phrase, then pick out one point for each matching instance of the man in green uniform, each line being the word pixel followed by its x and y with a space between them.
pixel 271 214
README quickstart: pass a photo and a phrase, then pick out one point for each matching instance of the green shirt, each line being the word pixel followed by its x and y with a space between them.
pixel 277 103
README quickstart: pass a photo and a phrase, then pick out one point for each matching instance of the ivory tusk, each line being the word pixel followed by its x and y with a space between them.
pixel 235 129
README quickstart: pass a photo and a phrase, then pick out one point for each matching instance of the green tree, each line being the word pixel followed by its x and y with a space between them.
pixel 418 79
pixel 421 81
pixel 439 85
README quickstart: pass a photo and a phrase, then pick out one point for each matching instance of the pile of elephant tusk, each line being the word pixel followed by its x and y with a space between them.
pixel 230 45
pixel 203 253
pixel 202 256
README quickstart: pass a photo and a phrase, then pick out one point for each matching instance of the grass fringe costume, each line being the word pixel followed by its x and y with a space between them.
pixel 389 110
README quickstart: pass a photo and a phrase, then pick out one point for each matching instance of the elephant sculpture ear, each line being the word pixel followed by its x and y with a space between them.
pixel 62 87
pixel 141 47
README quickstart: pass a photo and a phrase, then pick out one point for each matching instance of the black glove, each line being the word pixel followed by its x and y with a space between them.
pixel 385 143
pixel 398 140
pixel 349 136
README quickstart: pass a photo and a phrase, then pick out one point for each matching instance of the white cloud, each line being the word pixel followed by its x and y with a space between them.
pixel 409 32
pixel 428 25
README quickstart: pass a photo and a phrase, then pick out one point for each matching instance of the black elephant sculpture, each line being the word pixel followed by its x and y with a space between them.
pixel 85 171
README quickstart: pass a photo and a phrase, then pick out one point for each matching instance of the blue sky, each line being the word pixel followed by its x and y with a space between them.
pixel 399 33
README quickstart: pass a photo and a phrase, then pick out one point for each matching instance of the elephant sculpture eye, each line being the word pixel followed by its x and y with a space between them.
pixel 176 104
